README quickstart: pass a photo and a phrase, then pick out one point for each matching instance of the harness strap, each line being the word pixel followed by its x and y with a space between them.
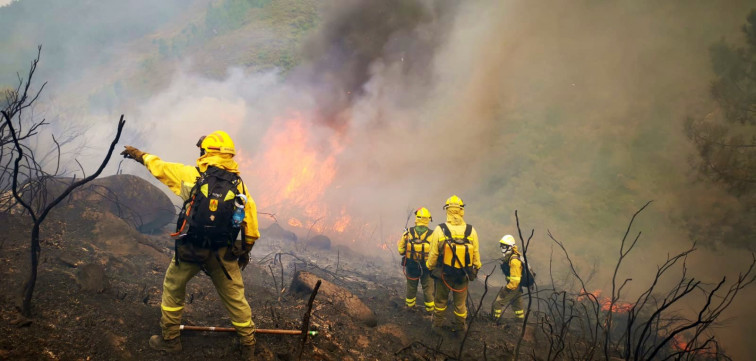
pixel 217 258
pixel 423 241
pixel 186 207
pixel 453 248
pixel 450 287
pixel 404 270
pixel 413 234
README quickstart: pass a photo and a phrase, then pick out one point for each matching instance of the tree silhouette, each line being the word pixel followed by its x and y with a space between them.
pixel 31 198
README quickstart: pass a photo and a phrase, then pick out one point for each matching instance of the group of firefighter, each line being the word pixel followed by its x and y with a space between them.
pixel 218 207
pixel 446 259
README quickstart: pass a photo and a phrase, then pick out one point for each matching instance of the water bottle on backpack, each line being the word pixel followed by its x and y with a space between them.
pixel 238 217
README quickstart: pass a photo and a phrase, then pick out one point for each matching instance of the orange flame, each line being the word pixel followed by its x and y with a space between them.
pixel 295 222
pixel 296 169
pixel 606 302
pixel 679 344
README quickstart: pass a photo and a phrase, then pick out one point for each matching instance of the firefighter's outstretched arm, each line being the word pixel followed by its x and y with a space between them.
pixel 133 153
pixel 180 178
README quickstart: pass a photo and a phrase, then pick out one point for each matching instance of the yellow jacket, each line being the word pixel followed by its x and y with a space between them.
pixel 457 225
pixel 180 178
pixel 515 270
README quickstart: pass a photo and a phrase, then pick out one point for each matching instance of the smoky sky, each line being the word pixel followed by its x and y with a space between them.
pixel 570 113
pixel 355 35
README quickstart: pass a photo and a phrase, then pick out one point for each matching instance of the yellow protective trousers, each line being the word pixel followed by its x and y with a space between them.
pixel 458 299
pixel 230 291
pixel 508 297
pixel 425 279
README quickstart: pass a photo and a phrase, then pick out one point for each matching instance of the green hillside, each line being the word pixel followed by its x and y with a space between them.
pixel 131 49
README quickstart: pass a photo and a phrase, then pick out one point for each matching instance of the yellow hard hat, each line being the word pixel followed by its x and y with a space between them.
pixel 423 212
pixel 507 240
pixel 454 201
pixel 217 142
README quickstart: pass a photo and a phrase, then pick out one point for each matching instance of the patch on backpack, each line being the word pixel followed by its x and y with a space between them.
pixel 213 206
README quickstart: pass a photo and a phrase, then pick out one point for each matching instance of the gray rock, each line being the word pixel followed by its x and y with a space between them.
pixel 304 282
pixel 275 231
pixel 320 242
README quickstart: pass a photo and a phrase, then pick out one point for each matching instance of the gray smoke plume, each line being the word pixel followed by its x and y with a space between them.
pixel 569 112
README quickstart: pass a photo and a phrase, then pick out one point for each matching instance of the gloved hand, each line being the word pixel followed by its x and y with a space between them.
pixel 133 153
pixel 472 273
pixel 243 260
pixel 436 273
pixel 244 256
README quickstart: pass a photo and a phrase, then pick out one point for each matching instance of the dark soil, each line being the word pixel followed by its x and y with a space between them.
pixel 74 322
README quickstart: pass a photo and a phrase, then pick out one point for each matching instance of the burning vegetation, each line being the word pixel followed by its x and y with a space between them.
pixel 298 174
pixel 298 185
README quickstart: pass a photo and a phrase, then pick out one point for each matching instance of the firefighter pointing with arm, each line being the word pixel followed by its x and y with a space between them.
pixel 511 266
pixel 414 248
pixel 454 261
pixel 207 234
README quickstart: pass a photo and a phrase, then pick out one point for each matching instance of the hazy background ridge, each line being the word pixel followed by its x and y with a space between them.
pixel 569 112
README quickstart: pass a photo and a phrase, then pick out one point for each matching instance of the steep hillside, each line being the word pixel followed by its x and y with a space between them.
pixel 99 286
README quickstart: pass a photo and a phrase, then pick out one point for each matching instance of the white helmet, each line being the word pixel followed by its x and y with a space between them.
pixel 507 240
pixel 506 244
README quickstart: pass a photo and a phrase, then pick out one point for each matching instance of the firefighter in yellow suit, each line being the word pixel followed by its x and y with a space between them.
pixel 414 248
pixel 216 149
pixel 511 294
pixel 454 260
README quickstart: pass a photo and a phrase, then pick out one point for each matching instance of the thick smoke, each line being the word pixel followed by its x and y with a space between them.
pixel 569 112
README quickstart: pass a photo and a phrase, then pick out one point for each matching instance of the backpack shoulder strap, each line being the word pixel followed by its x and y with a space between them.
pixel 445 229
pixel 427 234
pixel 468 231
pixel 412 233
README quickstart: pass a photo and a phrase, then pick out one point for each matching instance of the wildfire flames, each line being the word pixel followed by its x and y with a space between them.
pixel 296 170
pixel 606 302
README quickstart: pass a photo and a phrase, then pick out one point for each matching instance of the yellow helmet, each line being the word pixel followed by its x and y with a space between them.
pixel 454 201
pixel 423 212
pixel 217 142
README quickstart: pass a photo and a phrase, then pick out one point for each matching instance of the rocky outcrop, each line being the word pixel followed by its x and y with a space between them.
pixel 275 231
pixel 304 282
pixel 133 199
pixel 320 242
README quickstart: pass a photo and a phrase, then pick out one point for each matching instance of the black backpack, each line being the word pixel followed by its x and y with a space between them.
pixel 528 275
pixel 208 213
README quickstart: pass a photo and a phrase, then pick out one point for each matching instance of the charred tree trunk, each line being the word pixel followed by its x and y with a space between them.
pixel 28 289
pixel 36 203
pixel 35 247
